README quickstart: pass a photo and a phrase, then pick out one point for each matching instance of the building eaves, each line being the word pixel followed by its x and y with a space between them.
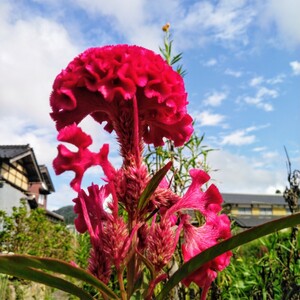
pixel 250 199
pixel 47 178
pixel 24 153
pixel 252 221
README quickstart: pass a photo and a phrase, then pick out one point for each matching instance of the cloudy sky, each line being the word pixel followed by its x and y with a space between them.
pixel 243 76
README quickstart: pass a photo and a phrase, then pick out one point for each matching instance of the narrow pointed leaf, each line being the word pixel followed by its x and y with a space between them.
pixel 148 264
pixel 240 239
pixel 38 276
pixel 22 262
pixel 152 185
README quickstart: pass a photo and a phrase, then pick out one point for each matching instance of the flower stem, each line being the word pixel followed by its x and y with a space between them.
pixel 131 266
pixel 122 286
pixel 136 136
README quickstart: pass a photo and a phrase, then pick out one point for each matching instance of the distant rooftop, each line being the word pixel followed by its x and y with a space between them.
pixel 11 151
pixel 24 153
pixel 251 220
pixel 231 198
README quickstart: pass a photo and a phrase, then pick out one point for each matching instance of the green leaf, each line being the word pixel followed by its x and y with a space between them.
pixel 176 58
pixel 25 267
pixel 152 185
pixel 148 264
pixel 240 239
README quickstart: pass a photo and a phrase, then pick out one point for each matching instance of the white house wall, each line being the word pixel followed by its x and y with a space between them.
pixel 10 197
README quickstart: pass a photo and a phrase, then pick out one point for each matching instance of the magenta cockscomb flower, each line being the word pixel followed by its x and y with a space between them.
pixel 108 82
pixel 140 97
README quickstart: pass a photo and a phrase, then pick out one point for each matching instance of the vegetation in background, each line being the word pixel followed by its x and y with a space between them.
pixel 262 270
pixel 68 213
pixel 32 233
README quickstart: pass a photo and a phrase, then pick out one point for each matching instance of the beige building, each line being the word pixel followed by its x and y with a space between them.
pixel 251 210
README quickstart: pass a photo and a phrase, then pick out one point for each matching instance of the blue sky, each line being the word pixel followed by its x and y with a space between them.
pixel 243 74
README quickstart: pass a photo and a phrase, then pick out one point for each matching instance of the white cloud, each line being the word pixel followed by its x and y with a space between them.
pixel 256 81
pixel 295 65
pixel 285 15
pixel 259 80
pixel 211 62
pixel 270 155
pixel 227 21
pixel 133 19
pixel 238 138
pixel 207 118
pixel 233 73
pixel 241 137
pixel 259 149
pixel 21 131
pixel 265 92
pixel 214 98
pixel 32 53
pixel 277 79
pixel 259 100
pixel 238 174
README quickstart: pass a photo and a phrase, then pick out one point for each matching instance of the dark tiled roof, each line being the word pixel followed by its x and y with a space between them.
pixel 253 199
pixel 11 151
pixel 251 221
pixel 24 153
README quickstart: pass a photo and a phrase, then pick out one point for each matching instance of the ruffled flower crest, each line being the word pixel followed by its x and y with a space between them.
pixel 103 82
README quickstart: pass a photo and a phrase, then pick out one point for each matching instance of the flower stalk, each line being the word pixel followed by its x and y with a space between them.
pixel 143 100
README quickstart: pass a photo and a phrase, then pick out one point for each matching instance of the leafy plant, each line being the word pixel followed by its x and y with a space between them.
pixel 32 233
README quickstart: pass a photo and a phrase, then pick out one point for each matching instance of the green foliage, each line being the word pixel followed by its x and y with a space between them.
pixel 235 241
pixel 264 269
pixel 33 268
pixel 193 154
pixel 82 250
pixel 32 233
pixel 166 52
pixel 68 213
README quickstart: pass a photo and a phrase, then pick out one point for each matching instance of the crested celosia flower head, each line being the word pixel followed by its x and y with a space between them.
pixel 104 82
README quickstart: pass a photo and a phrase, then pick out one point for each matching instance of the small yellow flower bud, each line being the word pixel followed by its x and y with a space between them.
pixel 166 27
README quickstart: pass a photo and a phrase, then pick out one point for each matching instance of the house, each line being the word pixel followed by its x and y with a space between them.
pixel 251 210
pixel 22 178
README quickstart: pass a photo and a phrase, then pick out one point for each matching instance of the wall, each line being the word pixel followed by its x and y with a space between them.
pixel 9 197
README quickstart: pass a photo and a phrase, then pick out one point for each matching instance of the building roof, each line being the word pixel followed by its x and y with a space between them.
pixel 24 153
pixel 47 178
pixel 10 151
pixel 252 221
pixel 54 216
pixel 231 198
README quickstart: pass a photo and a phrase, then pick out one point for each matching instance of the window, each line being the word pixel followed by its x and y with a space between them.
pixel 265 211
pixel 15 174
pixel 244 211
pixel 41 199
